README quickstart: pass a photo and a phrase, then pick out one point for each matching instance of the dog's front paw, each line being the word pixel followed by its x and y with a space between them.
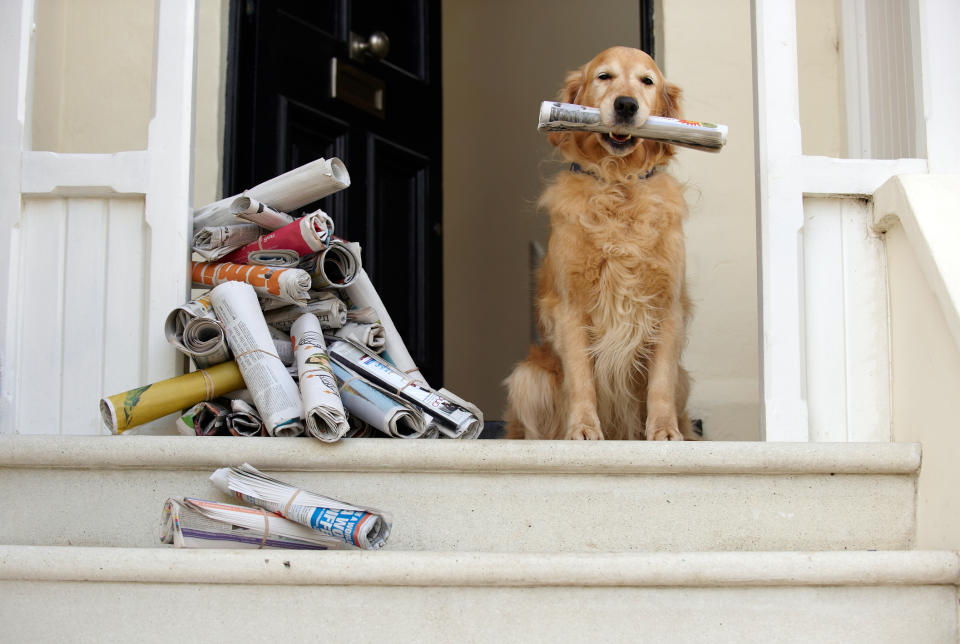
pixel 663 429
pixel 584 429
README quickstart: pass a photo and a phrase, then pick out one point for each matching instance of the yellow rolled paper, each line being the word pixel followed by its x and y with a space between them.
pixel 143 404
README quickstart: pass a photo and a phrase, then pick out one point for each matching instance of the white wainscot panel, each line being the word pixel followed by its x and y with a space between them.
pixel 81 296
pixel 845 322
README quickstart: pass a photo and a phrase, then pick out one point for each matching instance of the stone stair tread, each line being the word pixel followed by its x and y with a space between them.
pixel 495 496
pixel 398 568
pixel 388 455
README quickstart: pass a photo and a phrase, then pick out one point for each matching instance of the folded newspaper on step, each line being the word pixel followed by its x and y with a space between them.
pixel 364 528
pixel 195 523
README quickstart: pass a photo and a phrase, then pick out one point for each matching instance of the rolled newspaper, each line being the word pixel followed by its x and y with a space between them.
pixel 358 358
pixel 122 411
pixel 275 257
pixel 708 137
pixel 283 193
pixel 281 342
pixel 369 334
pixel 357 526
pixel 205 342
pixel 203 419
pixel 291 285
pixel 337 266
pixel 196 523
pixel 261 214
pixel 275 395
pixel 193 329
pixel 322 407
pixel 362 294
pixel 378 408
pixel 214 242
pixel 243 420
pixel 329 309
pixel 309 234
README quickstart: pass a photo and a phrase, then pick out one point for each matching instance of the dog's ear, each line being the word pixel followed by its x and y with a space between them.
pixel 670 100
pixel 569 93
pixel 572 86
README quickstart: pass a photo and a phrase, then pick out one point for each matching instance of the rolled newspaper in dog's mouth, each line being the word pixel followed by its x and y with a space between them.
pixel 560 117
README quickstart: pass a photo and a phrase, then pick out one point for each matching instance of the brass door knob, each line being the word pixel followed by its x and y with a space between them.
pixel 376 46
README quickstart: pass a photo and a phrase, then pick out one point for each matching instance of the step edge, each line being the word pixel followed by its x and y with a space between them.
pixel 386 455
pixel 351 568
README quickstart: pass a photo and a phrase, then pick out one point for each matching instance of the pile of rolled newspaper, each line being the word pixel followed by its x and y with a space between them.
pixel 291 338
pixel 283 516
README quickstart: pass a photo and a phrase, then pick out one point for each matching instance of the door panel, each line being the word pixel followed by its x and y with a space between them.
pixel 282 112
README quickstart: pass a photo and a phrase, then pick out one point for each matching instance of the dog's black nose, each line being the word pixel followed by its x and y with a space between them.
pixel 625 107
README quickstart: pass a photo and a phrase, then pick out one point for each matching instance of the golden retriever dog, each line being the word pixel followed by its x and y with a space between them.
pixel 612 301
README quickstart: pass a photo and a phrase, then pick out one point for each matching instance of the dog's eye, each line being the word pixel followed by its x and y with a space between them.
pixel 604 76
pixel 647 80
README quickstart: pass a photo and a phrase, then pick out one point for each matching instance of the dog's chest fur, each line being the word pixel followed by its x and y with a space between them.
pixel 618 246
pixel 627 238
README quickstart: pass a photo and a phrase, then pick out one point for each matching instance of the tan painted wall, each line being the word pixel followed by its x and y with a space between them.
pixel 93 75
pixel 93 81
pixel 926 379
pixel 707 50
pixel 822 124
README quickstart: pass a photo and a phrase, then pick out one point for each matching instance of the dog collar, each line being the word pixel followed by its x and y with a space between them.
pixel 576 167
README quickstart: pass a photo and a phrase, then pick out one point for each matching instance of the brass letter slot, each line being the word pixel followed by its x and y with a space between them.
pixel 357 88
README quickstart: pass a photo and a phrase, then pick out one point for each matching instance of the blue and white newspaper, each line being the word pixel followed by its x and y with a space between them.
pixel 364 528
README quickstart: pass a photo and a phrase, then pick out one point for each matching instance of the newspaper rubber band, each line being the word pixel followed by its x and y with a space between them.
pixel 346 383
pixel 266 528
pixel 208 384
pixel 246 353
pixel 286 508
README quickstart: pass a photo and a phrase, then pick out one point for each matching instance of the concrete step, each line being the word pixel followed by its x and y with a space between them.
pixel 486 496
pixel 52 593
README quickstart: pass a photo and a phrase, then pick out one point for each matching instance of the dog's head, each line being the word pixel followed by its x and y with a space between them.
pixel 627 86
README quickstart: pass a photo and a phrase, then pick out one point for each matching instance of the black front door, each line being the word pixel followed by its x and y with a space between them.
pixel 311 78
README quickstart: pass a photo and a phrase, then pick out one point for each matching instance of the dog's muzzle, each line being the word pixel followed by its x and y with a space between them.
pixel 625 108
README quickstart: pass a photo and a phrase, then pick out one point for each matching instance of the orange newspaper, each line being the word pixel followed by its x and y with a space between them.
pixel 288 284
